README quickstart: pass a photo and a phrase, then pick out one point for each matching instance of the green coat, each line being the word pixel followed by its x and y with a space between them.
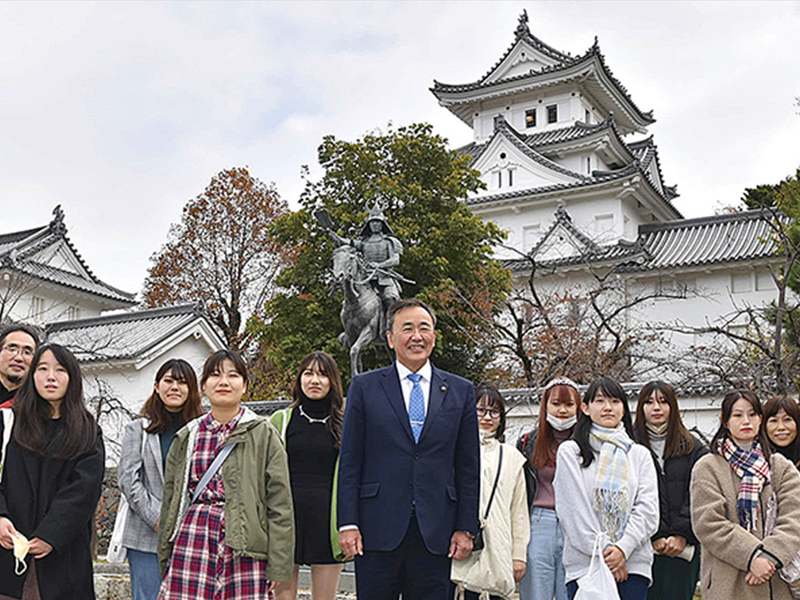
pixel 280 419
pixel 259 521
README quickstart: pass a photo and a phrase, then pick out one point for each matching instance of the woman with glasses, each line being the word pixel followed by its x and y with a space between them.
pixel 504 520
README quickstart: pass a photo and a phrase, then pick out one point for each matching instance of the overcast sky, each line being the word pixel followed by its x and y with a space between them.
pixel 121 112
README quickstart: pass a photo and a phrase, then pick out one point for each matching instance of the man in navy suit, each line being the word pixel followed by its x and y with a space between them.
pixel 409 467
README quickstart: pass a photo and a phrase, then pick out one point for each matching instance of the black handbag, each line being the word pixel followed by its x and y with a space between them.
pixel 478 542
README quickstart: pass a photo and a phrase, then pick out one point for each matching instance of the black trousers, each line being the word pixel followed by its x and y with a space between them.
pixel 410 569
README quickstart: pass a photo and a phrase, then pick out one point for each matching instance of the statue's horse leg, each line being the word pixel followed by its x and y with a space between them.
pixel 364 338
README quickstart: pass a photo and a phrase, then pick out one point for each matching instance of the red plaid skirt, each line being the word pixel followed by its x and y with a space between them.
pixel 201 566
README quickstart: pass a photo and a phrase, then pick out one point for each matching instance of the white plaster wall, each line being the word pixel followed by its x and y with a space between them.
pixel 132 385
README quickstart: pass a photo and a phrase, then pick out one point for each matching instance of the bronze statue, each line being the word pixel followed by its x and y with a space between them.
pixel 364 268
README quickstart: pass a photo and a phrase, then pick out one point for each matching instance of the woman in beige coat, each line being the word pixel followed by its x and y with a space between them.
pixel 745 508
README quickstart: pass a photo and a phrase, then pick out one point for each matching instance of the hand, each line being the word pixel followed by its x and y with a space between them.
pixel 271 585
pixel 351 542
pixel 674 545
pixel 7 533
pixel 519 569
pixel 39 548
pixel 460 545
pixel 621 575
pixel 615 559
pixel 761 569
pixel 659 545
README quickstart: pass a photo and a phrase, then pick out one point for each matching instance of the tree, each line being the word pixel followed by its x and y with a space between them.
pixel 223 254
pixel 758 345
pixel 446 246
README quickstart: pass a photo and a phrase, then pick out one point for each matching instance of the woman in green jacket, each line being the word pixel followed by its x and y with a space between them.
pixel 234 537
pixel 311 428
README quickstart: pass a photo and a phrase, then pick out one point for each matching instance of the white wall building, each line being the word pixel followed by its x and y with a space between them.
pixel 572 179
pixel 45 282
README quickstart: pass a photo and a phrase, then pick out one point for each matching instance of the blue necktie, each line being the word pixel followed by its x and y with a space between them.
pixel 416 406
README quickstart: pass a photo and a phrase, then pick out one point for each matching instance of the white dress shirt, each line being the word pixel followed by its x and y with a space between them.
pixel 406 384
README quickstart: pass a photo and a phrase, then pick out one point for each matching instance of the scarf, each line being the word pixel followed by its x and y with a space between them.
pixel 610 498
pixel 753 468
pixel 660 430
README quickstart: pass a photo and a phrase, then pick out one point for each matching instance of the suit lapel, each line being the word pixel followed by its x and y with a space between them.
pixel 435 398
pixel 391 385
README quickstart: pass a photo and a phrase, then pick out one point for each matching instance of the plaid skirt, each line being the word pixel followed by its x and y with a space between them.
pixel 201 566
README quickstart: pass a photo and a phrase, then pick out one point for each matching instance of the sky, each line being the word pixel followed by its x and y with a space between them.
pixel 121 112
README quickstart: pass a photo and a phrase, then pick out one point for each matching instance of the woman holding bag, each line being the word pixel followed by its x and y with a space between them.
pixel 745 508
pixel 174 402
pixel 606 495
pixel 491 572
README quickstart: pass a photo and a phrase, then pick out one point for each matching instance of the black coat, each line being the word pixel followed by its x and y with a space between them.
pixel 673 491
pixel 525 444
pixel 54 500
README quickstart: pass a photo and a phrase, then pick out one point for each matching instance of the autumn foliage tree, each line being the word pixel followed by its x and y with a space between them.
pixel 222 254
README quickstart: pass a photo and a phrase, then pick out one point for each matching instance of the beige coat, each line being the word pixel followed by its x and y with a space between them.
pixel 727 548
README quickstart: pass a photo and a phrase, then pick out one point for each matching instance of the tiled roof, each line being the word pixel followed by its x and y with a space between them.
pixel 707 240
pixel 681 243
pixel 17 249
pixel 570 63
pixel 122 336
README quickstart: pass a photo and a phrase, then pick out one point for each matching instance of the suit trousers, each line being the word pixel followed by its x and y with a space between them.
pixel 410 569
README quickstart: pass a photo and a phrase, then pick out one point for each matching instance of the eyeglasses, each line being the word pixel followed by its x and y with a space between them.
pixel 14 349
pixel 492 412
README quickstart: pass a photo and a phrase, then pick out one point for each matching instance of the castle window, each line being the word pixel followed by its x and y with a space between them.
pixel 530 118
pixel 510 177
pixel 37 308
pixel 73 313
pixel 552 113
pixel 499 179
pixel 587 116
pixel 588 165
pixel 742 282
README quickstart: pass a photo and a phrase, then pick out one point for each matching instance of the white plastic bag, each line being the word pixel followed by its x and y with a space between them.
pixel 117 553
pixel 598 583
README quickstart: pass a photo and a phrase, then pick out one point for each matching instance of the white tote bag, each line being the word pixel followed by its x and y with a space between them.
pixel 598 583
pixel 117 553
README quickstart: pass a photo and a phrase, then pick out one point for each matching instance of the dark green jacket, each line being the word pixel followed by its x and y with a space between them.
pixel 259 521
pixel 280 419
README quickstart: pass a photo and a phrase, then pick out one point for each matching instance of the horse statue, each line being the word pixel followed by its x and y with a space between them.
pixel 362 314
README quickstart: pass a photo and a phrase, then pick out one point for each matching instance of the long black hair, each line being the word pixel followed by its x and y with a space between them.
pixel 31 412
pixel 328 367
pixel 610 389
pixel 724 433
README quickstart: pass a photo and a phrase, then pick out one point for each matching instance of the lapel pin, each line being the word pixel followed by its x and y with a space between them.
pixel 443 388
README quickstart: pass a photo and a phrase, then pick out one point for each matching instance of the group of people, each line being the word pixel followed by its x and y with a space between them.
pixel 410 476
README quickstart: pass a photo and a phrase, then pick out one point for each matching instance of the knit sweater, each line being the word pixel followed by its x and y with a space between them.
pixel 574 486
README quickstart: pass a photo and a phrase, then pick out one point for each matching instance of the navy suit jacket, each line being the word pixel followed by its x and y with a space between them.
pixel 383 472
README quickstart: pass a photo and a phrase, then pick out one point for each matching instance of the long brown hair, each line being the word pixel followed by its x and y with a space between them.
pixel 154 409
pixel 544 450
pixel 328 367
pixel 31 411
pixel 679 441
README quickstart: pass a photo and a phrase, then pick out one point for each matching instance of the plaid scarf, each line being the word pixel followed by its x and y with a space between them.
pixel 610 497
pixel 753 468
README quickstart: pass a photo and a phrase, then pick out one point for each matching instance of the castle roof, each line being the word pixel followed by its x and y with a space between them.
pixel 31 252
pixel 551 68
pixel 128 335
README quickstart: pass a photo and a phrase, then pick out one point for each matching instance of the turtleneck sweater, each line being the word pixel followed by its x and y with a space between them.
pixel 545 496
pixel 174 423
pixel 658 442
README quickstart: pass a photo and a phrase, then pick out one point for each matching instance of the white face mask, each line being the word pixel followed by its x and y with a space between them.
pixel 21 547
pixel 561 424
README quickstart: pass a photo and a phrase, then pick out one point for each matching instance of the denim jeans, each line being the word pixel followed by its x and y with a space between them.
pixel 145 575
pixel 544 577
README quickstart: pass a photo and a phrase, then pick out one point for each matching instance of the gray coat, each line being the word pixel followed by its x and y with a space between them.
pixel 141 479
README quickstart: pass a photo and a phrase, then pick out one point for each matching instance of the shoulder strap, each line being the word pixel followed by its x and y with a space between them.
pixel 8 425
pixel 212 470
pixel 496 479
